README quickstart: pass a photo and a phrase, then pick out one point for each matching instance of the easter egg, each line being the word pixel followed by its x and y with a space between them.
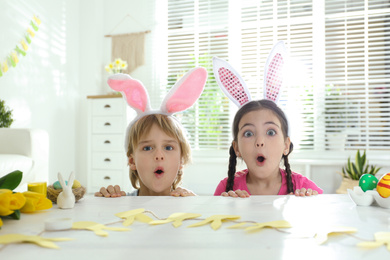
pixel 383 187
pixel 57 185
pixel 368 182
pixel 76 184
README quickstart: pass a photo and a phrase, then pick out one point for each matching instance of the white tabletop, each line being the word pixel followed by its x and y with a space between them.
pixel 307 215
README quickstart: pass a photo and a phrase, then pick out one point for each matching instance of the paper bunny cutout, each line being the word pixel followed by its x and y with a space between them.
pixel 234 86
pixel 66 199
pixel 181 96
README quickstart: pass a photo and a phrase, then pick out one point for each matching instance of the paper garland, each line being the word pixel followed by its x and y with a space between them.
pixel 215 221
pixel 20 49
pixel 38 240
pixel 97 228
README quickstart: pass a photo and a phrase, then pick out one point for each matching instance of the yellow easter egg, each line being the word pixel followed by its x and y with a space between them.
pixel 383 187
pixel 76 184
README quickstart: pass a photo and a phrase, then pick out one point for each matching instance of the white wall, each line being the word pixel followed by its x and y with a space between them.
pixel 43 89
pixel 64 64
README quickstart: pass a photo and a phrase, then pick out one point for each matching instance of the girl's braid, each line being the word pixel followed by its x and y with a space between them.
pixel 290 186
pixel 232 169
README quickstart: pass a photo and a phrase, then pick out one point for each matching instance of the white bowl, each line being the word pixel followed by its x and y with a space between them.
pixel 383 202
pixel 360 197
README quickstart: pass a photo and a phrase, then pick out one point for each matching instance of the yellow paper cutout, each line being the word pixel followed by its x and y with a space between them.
pixel 37 20
pixel 176 218
pixel 381 239
pixel 135 214
pixel 216 221
pixel 96 227
pixel 24 45
pixel 260 226
pixel 5 66
pixel 15 57
pixel 40 241
pixel 322 236
pixel 32 34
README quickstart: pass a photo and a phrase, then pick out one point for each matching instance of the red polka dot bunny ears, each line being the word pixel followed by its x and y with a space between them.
pixel 182 95
pixel 234 86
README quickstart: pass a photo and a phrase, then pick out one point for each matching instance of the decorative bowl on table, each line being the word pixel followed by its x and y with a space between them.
pixel 360 197
pixel 53 193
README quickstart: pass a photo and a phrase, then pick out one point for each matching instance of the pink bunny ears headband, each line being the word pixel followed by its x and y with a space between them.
pixel 234 86
pixel 181 96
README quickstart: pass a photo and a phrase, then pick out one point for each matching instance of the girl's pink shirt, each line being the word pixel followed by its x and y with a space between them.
pixel 299 181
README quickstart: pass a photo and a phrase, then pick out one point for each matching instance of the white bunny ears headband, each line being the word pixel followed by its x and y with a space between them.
pixel 234 86
pixel 181 96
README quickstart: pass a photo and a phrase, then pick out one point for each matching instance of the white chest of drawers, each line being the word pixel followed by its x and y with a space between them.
pixel 107 161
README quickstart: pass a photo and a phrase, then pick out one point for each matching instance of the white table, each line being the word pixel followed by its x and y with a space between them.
pixel 305 214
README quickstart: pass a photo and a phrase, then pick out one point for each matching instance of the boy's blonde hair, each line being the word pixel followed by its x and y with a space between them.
pixel 172 128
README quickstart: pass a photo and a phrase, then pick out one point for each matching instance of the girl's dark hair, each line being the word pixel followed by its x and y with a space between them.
pixel 254 106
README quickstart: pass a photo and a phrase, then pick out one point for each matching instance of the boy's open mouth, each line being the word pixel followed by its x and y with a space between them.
pixel 159 171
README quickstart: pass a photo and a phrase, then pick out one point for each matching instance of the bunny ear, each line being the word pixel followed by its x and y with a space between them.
pixel 71 179
pixel 135 93
pixel 61 180
pixel 185 92
pixel 230 81
pixel 273 72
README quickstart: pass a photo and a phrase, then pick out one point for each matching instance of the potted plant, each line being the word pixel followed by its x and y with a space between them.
pixel 5 115
pixel 352 172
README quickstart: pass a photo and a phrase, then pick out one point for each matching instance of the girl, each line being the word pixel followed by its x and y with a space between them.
pixel 260 132
pixel 156 143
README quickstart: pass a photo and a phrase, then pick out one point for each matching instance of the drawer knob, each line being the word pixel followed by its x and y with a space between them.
pixel 107 178
pixel 107 106
pixel 107 160
pixel 107 142
pixel 107 124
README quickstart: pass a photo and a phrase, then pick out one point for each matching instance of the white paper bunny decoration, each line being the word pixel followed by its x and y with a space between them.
pixel 181 96
pixel 234 86
pixel 66 199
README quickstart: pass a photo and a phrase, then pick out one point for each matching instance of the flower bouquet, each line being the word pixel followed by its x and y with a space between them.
pixel 14 203
pixel 116 66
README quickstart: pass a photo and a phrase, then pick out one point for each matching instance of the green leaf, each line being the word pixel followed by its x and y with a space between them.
pixel 11 180
pixel 15 215
pixel 364 159
pixel 355 175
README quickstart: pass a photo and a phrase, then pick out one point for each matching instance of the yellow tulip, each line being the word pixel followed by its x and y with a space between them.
pixel 1 222
pixel 9 202
pixel 35 201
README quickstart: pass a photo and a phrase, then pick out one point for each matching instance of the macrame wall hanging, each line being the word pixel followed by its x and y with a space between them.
pixel 12 59
pixel 129 47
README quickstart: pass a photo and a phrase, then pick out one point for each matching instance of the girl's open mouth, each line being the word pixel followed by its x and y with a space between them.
pixel 261 159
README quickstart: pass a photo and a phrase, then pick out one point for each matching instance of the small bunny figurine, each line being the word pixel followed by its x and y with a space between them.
pixel 66 198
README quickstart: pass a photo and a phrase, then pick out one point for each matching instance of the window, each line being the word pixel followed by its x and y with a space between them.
pixel 337 94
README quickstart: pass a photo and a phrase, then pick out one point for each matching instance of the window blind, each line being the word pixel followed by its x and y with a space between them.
pixel 336 94
pixel 197 31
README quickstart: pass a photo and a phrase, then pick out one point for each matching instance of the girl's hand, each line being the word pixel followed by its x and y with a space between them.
pixel 303 192
pixel 236 194
pixel 110 192
pixel 182 192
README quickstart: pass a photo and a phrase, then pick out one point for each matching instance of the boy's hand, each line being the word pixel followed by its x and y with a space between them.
pixel 110 192
pixel 182 192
